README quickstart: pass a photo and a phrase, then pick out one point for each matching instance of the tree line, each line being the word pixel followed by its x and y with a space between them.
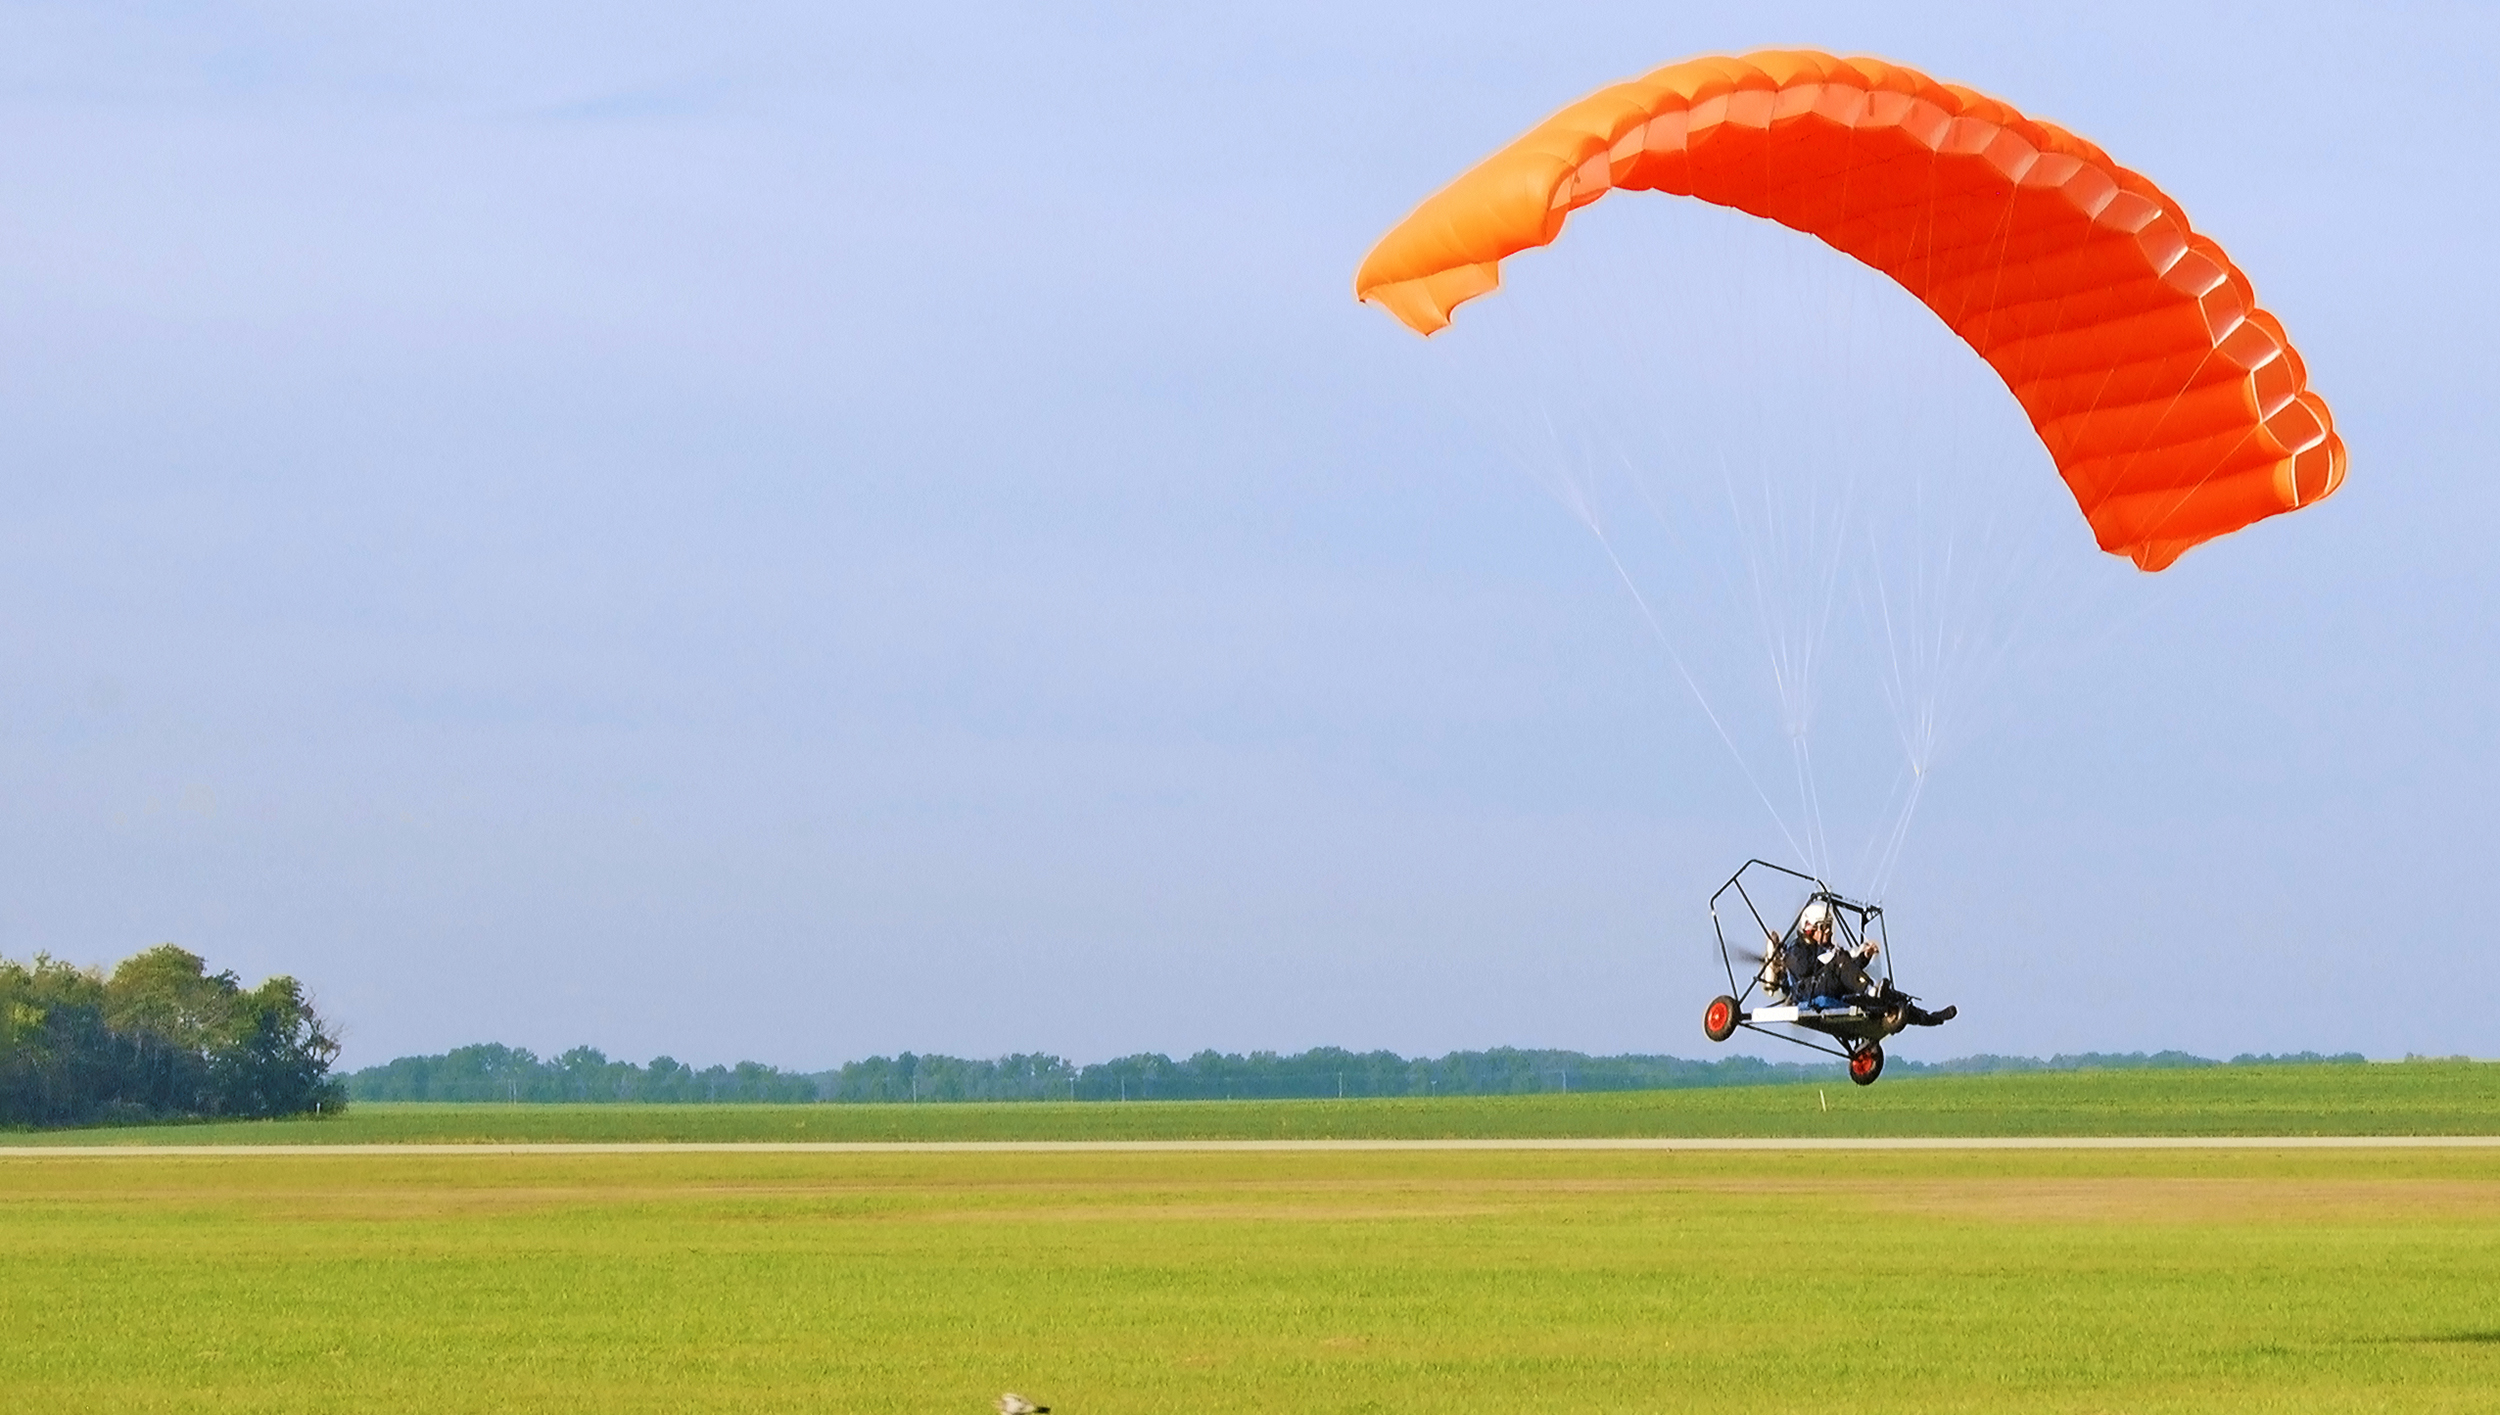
pixel 158 1038
pixel 513 1074
pixel 492 1072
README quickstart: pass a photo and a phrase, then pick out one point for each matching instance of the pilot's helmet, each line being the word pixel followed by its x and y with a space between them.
pixel 1816 915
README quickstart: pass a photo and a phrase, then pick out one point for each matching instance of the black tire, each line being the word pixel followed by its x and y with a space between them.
pixel 1866 1063
pixel 1718 1020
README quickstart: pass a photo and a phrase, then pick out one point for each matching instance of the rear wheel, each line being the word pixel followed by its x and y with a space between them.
pixel 1866 1064
pixel 1718 1020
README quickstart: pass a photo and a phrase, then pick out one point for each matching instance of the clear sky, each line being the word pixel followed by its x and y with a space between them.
pixel 798 531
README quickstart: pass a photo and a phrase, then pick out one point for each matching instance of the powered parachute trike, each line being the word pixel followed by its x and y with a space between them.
pixel 1822 966
pixel 2170 405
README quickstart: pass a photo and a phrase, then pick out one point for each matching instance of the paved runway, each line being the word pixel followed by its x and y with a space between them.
pixel 1048 1147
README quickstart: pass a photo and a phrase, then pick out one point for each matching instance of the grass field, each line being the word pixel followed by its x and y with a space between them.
pixel 2412 1098
pixel 1304 1282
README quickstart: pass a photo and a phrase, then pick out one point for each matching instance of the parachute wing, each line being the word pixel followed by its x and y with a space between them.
pixel 2175 408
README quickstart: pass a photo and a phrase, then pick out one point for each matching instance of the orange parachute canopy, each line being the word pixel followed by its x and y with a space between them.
pixel 2175 409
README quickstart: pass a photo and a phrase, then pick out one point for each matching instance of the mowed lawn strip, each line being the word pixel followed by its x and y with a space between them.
pixel 1329 1282
pixel 2410 1098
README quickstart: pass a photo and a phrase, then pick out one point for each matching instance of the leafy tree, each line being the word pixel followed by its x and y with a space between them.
pixel 160 1037
pixel 272 1055
pixel 56 1060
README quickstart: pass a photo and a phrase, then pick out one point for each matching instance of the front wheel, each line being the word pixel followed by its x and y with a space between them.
pixel 1866 1065
pixel 1718 1020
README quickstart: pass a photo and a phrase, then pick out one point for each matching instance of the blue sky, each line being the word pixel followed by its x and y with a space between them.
pixel 795 533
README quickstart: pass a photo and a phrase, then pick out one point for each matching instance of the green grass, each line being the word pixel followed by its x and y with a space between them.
pixel 2413 1098
pixel 1296 1282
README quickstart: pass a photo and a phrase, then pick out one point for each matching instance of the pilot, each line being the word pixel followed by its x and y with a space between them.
pixel 1845 969
pixel 1808 951
pixel 1824 973
pixel 1841 974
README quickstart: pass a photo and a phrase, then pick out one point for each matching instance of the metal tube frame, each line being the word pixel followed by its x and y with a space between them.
pixel 1853 920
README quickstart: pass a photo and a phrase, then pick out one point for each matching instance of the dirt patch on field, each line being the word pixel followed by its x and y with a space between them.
pixel 1165 1190
pixel 1204 1212
pixel 2007 1199
pixel 2308 1202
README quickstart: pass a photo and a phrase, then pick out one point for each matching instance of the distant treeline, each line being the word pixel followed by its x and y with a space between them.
pixel 501 1073
pixel 159 1038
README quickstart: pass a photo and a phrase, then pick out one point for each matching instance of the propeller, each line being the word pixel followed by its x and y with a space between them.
pixel 1756 956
